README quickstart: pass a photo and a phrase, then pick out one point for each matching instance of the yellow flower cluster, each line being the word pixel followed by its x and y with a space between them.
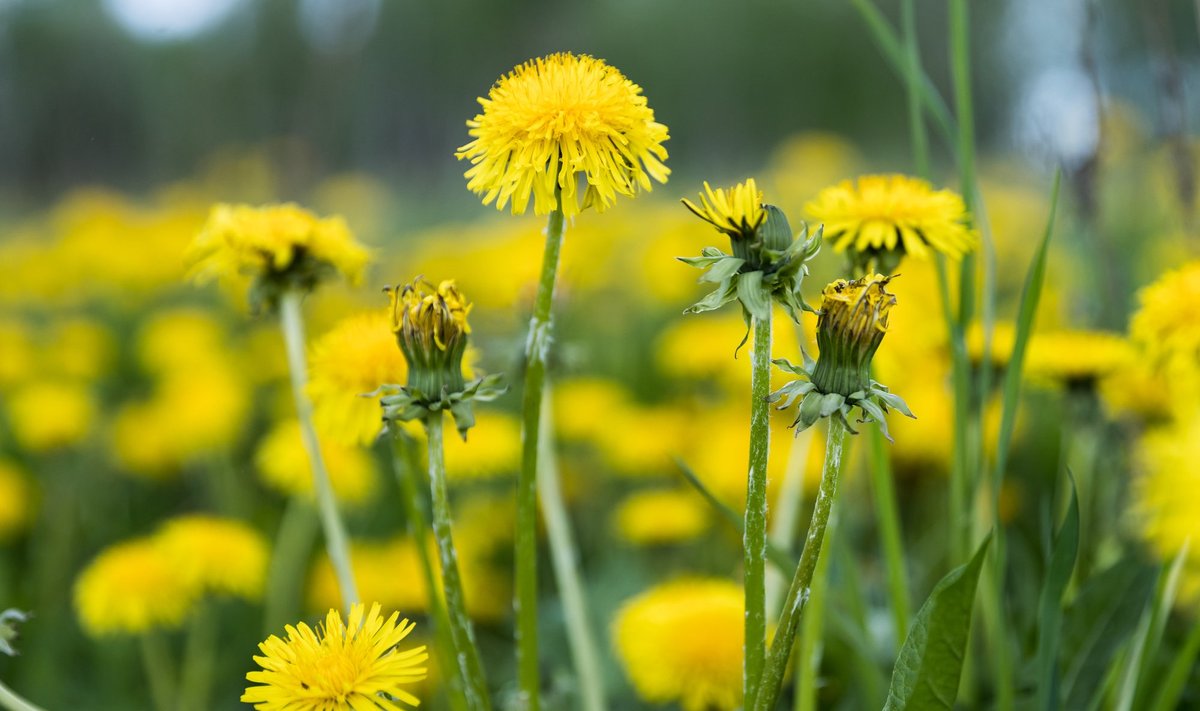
pixel 1167 322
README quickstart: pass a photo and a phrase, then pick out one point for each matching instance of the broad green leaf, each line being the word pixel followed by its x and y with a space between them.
pixel 930 664
pixel 1058 575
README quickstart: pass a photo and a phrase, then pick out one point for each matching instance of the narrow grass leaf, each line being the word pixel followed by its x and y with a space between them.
pixel 1058 575
pixel 1136 685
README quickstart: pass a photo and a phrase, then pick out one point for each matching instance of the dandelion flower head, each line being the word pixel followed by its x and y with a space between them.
pixel 737 212
pixel 341 665
pixel 1167 322
pixel 660 516
pixel 51 413
pixel 1077 358
pixel 554 120
pixel 216 555
pixel 132 587
pixel 1169 516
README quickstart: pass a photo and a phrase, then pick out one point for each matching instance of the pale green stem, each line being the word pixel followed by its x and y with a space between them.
pixel 913 77
pixel 461 632
pixel 293 543
pixel 801 589
pixel 566 569
pixel 199 659
pixel 160 672
pixel 12 701
pixel 786 515
pixel 812 629
pixel 960 378
pixel 292 322
pixel 887 516
pixel 754 532
pixel 537 346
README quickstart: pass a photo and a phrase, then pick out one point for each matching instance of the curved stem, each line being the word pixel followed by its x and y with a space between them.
pixel 754 532
pixel 801 589
pixel 292 323
pixel 13 701
pixel 465 651
pixel 537 345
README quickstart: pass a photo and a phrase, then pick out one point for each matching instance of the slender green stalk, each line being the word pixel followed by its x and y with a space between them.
pixel 465 651
pixel 810 647
pixel 1181 667
pixel 160 672
pixel 293 543
pixel 913 74
pixel 199 660
pixel 292 323
pixel 801 589
pixel 13 701
pixel 754 532
pixel 537 346
pixel 887 516
pixel 785 517
pixel 960 379
pixel 566 569
pixel 407 467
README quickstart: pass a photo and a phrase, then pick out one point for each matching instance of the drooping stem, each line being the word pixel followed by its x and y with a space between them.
pixel 798 594
pixel 754 532
pixel 13 701
pixel 160 672
pixel 293 544
pixel 537 345
pixel 564 558
pixel 887 515
pixel 292 323
pixel 466 653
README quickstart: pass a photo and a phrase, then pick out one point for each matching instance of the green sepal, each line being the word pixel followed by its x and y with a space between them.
pixel 715 299
pixel 722 268
pixel 775 232
pixel 754 298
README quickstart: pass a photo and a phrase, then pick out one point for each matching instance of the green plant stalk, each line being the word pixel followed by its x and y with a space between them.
pixel 293 542
pixel 887 516
pixel 537 346
pixel 754 532
pixel 801 589
pixel 407 467
pixel 782 531
pixel 812 629
pixel 564 559
pixel 13 701
pixel 160 672
pixel 465 652
pixel 912 76
pixel 199 660
pixel 292 323
pixel 1173 684
pixel 1137 681
pixel 960 381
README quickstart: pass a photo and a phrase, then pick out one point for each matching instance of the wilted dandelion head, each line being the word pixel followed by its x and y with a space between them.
pixel 737 212
pixel 1168 514
pixel 1167 322
pixel 893 213
pixel 425 318
pixel 130 588
pixel 681 642
pixel 340 665
pixel 554 121
pixel 216 555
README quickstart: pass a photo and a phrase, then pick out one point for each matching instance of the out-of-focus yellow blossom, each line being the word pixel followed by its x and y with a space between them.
pixel 1167 323
pixel 1142 392
pixel 701 348
pixel 361 198
pixel 179 338
pixel 282 463
pixel 1004 337
pixel 716 448
pixel 470 253
pixel 144 442
pixel 554 120
pixel 216 555
pixel 923 445
pixel 130 588
pixel 17 504
pixel 353 359
pixel 639 441
pixel 681 642
pixel 78 348
pixel 492 449
pixel 806 162
pixel 1166 509
pixel 1076 358
pixel 47 414
pixel 484 526
pixel 387 571
pixel 661 516
pixel 893 213
pixel 656 270
pixel 207 406
pixel 583 405
pixel 16 343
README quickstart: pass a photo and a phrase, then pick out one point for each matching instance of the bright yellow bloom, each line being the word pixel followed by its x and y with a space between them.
pixel 338 666
pixel 1164 498
pixel 216 555
pixel 1079 358
pixel 893 213
pixel 553 119
pixel 682 642
pixel 282 463
pixel 493 449
pixel 132 587
pixel 16 500
pixel 1167 322
pixel 387 571
pixel 179 338
pixel 661 516
pixel 737 212
pixel 269 241
pixel 48 414
pixel 354 358
pixel 582 406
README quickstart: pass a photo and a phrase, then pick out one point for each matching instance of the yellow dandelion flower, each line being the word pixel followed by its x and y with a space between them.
pixel 387 571
pixel 893 213
pixel 1142 392
pixel 555 119
pixel 737 212
pixel 79 348
pixel 354 358
pixel 216 555
pixel 342 665
pixel 16 500
pixel 661 516
pixel 130 588
pixel 271 241
pixel 682 642
pixel 1167 322
pixel 1169 516
pixel 1004 337
pixel 47 414
pixel 179 338
pixel 1076 358
pixel 492 450
pixel 582 405
pixel 640 441
pixel 283 465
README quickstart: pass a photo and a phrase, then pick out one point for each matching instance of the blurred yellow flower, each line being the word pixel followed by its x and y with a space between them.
pixel 217 555
pixel 682 642
pixel 639 441
pixel 387 571
pixel 132 587
pixel 583 404
pixel 78 348
pixel 551 120
pixel 354 358
pixel 179 338
pixel 1167 322
pixel 1076 358
pixel 16 343
pixel 1143 392
pixel 662 516
pixel 17 504
pixel 484 526
pixel 879 213
pixel 701 348
pixel 282 463
pixel 47 414
pixel 492 449
pixel 350 665
pixel 806 162
pixel 1164 502
pixel 1004 337
pixel 737 211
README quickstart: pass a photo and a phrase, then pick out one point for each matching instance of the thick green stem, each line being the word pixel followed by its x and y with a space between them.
pixel 160 672
pixel 461 632
pixel 801 589
pixel 12 701
pixel 887 516
pixel 566 569
pixel 754 532
pixel 537 345
pixel 292 323
pixel 407 467
pixel 199 660
pixel 293 544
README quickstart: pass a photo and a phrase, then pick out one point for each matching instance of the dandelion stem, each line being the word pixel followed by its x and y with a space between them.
pixel 292 323
pixel 12 701
pixel 199 659
pixel 160 672
pixel 754 533
pixel 888 518
pixel 537 345
pixel 566 569
pixel 801 589
pixel 810 647
pixel 465 652
pixel 293 544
